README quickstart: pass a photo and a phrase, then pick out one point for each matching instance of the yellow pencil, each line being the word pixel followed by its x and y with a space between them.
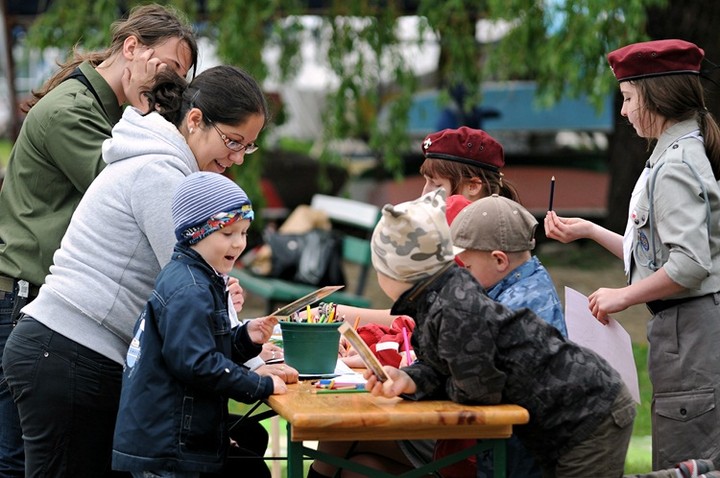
pixel 309 315
pixel 357 322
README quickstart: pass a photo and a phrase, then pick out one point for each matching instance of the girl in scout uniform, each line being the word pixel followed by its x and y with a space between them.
pixel 671 246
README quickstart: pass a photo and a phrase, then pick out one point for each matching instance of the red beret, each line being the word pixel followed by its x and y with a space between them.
pixel 655 58
pixel 465 145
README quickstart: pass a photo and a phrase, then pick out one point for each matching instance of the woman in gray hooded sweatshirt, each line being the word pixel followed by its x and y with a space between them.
pixel 63 361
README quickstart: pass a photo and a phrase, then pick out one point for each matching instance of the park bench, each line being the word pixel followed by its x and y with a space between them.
pixel 355 221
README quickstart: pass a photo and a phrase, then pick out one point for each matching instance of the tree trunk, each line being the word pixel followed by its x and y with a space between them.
pixel 691 20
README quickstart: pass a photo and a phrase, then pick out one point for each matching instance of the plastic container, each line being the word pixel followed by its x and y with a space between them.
pixel 311 349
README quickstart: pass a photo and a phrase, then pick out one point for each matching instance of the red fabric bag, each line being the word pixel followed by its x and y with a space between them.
pixel 387 342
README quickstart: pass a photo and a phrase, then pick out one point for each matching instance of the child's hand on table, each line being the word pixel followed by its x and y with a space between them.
pixel 285 372
pixel 279 386
pixel 399 382
pixel 271 351
pixel 353 361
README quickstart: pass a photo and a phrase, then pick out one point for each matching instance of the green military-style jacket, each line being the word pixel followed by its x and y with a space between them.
pixel 54 160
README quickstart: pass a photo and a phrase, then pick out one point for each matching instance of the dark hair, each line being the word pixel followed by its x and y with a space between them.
pixel 152 25
pixel 225 94
pixel 680 98
pixel 458 173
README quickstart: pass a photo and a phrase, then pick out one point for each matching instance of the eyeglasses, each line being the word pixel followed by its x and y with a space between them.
pixel 236 146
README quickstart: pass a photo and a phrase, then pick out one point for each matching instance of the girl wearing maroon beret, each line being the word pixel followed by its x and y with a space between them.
pixel 465 162
pixel 671 246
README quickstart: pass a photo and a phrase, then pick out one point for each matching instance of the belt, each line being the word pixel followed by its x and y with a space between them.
pixel 657 306
pixel 9 284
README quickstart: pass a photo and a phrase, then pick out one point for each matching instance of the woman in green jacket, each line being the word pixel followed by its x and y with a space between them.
pixel 58 154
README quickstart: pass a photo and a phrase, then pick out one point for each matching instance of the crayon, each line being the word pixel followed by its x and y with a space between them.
pixel 552 193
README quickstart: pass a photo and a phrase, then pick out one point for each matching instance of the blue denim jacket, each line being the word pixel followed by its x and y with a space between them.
pixel 530 285
pixel 183 364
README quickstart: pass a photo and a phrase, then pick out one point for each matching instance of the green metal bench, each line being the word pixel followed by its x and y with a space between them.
pixel 346 215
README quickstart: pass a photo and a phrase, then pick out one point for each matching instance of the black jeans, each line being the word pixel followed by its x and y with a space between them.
pixel 12 455
pixel 67 397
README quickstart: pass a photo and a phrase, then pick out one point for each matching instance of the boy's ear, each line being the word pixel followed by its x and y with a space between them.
pixel 502 262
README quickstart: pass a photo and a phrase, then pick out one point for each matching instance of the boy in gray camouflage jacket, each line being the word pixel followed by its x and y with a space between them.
pixel 472 349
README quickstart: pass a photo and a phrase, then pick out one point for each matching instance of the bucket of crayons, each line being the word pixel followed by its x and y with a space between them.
pixel 311 346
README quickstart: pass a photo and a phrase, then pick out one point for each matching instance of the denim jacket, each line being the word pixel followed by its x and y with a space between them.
pixel 529 285
pixel 183 364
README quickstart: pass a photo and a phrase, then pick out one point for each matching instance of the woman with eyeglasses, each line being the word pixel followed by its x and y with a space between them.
pixel 56 156
pixel 64 359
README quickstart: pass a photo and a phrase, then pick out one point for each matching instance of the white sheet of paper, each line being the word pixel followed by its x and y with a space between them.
pixel 611 342
pixel 342 369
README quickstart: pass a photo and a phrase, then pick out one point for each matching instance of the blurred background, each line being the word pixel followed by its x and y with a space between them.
pixel 356 85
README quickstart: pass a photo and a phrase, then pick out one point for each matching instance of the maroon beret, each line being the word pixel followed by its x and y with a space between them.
pixel 465 145
pixel 655 58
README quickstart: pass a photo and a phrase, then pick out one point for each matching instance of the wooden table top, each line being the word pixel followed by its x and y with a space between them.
pixel 361 416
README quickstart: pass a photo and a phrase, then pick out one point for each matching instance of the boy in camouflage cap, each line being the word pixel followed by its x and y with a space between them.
pixel 472 349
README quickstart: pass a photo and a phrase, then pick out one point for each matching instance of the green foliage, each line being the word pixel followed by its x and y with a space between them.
pixel 563 45
pixel 68 23
pixel 560 44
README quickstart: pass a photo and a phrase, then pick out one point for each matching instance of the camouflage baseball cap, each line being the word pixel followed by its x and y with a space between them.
pixel 412 239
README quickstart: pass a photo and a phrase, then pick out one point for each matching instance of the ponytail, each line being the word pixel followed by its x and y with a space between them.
pixel 711 135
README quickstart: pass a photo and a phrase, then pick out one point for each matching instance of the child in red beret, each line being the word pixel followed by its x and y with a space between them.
pixel 671 246
pixel 465 161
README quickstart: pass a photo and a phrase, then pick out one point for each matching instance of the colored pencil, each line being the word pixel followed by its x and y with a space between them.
pixel 406 345
pixel 339 390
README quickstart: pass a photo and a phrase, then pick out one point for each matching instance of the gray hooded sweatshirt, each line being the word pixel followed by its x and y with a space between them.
pixel 119 237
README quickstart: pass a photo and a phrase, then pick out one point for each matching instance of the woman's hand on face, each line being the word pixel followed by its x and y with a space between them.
pixel 285 372
pixel 139 74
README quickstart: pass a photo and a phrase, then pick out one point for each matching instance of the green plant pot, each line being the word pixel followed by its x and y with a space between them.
pixel 312 349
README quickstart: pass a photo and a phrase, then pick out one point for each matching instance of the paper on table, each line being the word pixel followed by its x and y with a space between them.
pixel 611 342
pixel 346 375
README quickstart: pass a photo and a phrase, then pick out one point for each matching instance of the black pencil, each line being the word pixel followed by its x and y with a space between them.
pixel 552 193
